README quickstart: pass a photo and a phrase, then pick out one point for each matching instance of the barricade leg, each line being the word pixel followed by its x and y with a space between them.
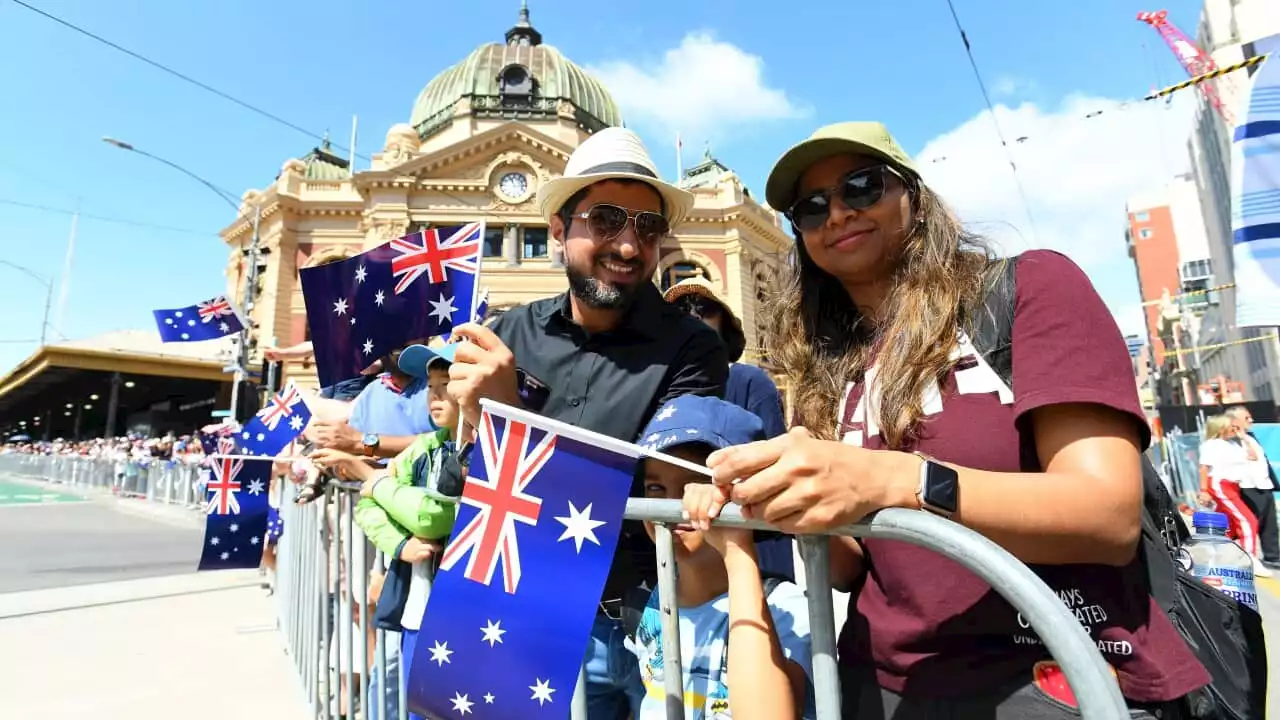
pixel 669 608
pixel 815 552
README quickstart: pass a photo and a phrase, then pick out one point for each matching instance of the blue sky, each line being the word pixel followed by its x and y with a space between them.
pixel 748 82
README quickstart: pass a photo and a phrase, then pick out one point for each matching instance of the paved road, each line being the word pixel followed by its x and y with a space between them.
pixel 62 541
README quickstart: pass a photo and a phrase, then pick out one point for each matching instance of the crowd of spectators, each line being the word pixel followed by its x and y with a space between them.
pixel 136 448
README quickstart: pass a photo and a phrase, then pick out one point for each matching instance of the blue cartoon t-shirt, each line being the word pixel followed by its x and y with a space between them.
pixel 703 632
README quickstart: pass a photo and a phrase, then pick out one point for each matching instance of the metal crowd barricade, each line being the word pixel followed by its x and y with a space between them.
pixel 314 551
pixel 322 590
pixel 156 480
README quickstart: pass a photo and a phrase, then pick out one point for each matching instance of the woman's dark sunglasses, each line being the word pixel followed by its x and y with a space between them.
pixel 607 222
pixel 858 190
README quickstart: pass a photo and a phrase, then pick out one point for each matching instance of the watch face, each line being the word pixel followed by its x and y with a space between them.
pixel 513 185
pixel 370 439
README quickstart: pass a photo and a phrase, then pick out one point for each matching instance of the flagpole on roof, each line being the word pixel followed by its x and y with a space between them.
pixel 679 159
pixel 351 162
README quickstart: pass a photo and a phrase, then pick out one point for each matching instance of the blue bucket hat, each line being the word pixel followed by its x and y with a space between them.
pixel 696 419
pixel 416 360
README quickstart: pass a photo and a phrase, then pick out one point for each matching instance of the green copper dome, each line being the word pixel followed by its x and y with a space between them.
pixel 521 79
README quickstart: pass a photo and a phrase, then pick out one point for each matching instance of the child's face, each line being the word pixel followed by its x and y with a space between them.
pixel 666 482
pixel 444 411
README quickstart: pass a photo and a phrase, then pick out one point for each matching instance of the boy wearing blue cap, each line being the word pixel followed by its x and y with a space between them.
pixel 395 512
pixel 729 616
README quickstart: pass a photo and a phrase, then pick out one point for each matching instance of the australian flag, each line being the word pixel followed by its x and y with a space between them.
pixel 236 507
pixel 482 309
pixel 518 587
pixel 276 425
pixel 417 287
pixel 206 320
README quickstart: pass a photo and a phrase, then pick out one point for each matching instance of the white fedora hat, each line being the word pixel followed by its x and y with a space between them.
pixel 612 154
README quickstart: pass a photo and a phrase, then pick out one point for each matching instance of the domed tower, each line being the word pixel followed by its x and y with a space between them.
pixel 520 79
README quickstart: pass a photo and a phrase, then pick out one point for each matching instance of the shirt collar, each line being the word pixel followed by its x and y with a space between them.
pixel 644 317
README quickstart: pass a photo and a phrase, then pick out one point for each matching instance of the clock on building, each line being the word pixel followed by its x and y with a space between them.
pixel 513 185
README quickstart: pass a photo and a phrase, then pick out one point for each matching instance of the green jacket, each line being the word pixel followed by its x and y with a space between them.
pixel 398 510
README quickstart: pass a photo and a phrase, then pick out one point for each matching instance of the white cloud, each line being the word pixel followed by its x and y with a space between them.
pixel 1007 85
pixel 700 88
pixel 1077 169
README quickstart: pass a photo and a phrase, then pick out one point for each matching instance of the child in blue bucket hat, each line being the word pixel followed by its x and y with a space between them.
pixel 721 595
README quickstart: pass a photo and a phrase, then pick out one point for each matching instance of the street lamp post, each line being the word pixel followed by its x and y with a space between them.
pixel 48 296
pixel 252 255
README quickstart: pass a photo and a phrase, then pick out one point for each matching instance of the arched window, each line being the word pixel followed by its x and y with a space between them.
pixel 682 271
pixel 765 293
pixel 515 85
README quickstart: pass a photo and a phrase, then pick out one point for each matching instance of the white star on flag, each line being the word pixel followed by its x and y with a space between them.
pixel 488 698
pixel 379 298
pixel 340 307
pixel 667 412
pixel 541 691
pixel 214 541
pixel 440 653
pixel 442 308
pixel 295 423
pixel 255 487
pixel 461 703
pixel 225 556
pixel 234 527
pixel 361 274
pixel 367 348
pixel 224 327
pixel 253 540
pixel 579 526
pixel 493 633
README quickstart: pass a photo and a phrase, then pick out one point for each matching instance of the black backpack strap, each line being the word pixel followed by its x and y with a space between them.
pixel 993 321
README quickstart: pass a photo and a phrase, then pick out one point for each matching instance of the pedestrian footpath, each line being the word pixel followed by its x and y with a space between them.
pixel 203 648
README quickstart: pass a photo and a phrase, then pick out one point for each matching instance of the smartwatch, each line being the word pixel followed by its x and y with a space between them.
pixel 370 442
pixel 939 491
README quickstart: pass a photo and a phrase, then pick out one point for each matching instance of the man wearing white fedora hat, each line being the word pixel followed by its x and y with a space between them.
pixel 603 356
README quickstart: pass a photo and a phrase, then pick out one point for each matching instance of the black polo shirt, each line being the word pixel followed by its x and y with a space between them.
pixel 613 382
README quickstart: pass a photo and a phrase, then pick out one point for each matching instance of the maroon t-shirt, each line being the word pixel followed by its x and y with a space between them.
pixel 932 627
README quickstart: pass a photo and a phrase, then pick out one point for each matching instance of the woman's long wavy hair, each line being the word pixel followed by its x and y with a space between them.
pixel 823 340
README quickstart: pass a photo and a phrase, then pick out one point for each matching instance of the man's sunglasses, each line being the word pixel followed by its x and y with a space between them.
pixel 607 222
pixel 858 190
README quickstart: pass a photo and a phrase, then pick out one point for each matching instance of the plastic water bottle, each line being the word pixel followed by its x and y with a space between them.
pixel 1217 561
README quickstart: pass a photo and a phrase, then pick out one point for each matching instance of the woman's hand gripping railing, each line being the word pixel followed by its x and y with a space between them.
pixel 1087 673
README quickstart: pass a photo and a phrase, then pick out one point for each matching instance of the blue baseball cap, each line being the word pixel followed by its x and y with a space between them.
pixel 696 419
pixel 415 360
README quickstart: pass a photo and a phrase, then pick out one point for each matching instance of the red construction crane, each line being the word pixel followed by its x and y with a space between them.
pixel 1194 60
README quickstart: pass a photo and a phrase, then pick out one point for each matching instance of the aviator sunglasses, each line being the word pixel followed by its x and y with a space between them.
pixel 858 190
pixel 607 222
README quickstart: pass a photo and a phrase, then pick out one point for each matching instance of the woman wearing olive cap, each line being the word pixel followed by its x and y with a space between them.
pixel 894 407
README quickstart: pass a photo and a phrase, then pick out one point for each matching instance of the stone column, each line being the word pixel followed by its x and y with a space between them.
pixel 511 244
pixel 113 406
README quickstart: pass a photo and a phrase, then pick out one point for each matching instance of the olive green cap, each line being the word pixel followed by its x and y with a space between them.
pixel 860 137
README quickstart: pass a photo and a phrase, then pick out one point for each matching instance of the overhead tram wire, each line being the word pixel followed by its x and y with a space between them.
pixel 181 76
pixel 104 218
pixel 986 97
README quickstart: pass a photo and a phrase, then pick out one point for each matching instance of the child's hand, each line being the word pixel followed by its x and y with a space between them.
pixel 344 465
pixel 702 504
pixel 417 550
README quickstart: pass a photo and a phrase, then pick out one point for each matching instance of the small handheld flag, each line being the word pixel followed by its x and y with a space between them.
pixel 275 426
pixel 236 509
pixel 511 607
pixel 208 320
pixel 417 287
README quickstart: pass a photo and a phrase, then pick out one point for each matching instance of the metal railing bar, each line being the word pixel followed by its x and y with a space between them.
pixel 815 553
pixel 668 607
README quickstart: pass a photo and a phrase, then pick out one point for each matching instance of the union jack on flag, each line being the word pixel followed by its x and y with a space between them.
pixel 215 308
pixel 279 406
pixel 424 252
pixel 265 433
pixel 490 537
pixel 223 487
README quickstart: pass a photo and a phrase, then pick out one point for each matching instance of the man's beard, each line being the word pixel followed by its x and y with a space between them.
pixel 597 294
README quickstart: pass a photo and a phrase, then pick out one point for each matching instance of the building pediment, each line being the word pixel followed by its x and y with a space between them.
pixel 473 160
